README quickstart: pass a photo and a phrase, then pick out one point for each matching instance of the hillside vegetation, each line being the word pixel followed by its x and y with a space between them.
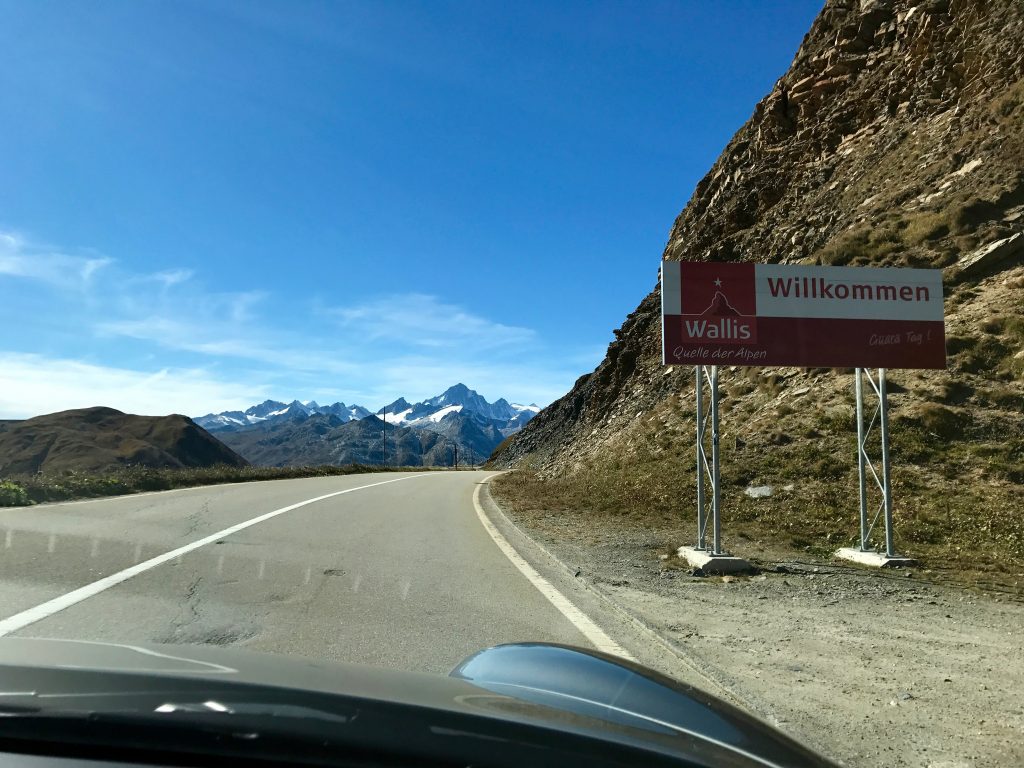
pixel 103 439
pixel 896 138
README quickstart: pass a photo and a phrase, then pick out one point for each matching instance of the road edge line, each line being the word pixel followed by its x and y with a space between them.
pixel 57 604
pixel 702 669
pixel 679 652
pixel 597 636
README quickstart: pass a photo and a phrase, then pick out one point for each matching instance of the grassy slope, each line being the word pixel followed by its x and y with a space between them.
pixel 957 448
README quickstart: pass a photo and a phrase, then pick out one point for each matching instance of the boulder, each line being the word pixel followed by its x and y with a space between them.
pixel 991 255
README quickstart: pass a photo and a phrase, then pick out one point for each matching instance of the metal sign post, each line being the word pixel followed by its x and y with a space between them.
pixel 865 553
pixel 705 467
pixel 708 471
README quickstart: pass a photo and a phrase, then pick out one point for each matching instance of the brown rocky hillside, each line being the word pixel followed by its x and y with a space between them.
pixel 103 439
pixel 895 138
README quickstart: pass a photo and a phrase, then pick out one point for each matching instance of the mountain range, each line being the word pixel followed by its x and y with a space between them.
pixel 270 411
pixel 458 425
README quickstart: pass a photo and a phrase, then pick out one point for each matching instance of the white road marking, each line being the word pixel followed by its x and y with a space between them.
pixel 580 620
pixel 57 604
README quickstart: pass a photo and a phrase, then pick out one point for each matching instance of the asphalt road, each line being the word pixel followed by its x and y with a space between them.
pixel 397 572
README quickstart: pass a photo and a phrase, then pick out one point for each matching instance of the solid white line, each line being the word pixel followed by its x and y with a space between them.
pixel 50 607
pixel 580 620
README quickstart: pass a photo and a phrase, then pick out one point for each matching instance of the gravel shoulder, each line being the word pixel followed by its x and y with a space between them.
pixel 870 667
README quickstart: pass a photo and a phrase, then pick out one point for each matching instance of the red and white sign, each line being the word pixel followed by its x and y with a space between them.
pixel 780 315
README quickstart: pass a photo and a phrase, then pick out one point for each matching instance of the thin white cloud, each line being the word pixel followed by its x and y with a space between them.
pixel 170 277
pixel 406 344
pixel 423 320
pixel 21 258
pixel 33 384
pixel 221 337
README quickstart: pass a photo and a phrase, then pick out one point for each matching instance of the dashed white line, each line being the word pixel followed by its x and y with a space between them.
pixel 580 620
pixel 57 604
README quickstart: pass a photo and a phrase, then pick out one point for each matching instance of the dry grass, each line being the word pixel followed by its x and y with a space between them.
pixel 956 483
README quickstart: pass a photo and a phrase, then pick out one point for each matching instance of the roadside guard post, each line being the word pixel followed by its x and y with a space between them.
pixel 776 315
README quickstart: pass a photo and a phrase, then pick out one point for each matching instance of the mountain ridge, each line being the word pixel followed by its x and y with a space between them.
pixel 99 439
pixel 461 424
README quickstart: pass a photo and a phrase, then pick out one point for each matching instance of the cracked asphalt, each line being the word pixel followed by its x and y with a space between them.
pixel 400 575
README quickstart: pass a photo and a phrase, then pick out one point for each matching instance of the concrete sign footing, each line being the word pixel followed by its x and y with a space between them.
pixel 709 563
pixel 876 559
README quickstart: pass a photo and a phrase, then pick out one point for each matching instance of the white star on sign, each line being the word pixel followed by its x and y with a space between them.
pixel 718 282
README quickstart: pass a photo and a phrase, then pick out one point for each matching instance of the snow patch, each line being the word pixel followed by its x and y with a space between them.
pixel 438 415
pixel 531 407
pixel 397 418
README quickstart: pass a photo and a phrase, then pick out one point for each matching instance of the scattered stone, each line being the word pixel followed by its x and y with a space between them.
pixel 758 491
pixel 988 256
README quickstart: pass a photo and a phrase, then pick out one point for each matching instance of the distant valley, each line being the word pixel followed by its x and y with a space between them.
pixel 457 426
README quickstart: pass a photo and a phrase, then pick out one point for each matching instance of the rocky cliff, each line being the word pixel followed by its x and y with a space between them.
pixel 895 138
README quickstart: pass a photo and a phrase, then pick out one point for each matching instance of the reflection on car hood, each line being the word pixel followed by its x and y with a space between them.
pixel 555 687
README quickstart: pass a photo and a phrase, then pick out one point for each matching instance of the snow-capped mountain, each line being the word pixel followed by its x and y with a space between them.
pixel 460 415
pixel 272 411
pixel 458 399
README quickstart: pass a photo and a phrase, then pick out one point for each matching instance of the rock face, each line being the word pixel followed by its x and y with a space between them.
pixel 326 439
pixel 895 138
pixel 101 439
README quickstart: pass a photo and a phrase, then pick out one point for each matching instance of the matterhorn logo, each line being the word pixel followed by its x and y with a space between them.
pixel 720 322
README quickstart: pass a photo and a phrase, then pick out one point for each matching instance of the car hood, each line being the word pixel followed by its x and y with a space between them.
pixel 568 690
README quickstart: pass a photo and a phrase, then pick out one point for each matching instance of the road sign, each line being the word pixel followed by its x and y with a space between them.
pixel 783 315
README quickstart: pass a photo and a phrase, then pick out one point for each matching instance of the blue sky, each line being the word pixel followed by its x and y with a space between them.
pixel 205 204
